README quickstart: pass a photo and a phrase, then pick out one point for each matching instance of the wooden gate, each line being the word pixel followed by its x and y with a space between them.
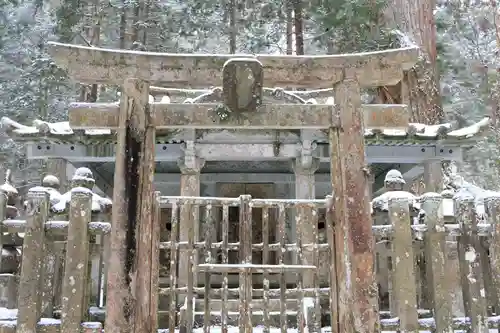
pixel 136 120
pixel 272 304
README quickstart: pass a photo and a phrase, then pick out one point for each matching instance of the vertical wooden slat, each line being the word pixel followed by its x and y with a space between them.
pixel 332 232
pixel 493 206
pixel 104 262
pixel 193 258
pixel 30 292
pixel 281 261
pixel 3 215
pixel 316 262
pixel 155 263
pixel 174 241
pixel 493 303
pixel 88 281
pixel 208 259
pixel 388 256
pixel 486 262
pixel 403 264
pixel 100 271
pixel 60 251
pixel 300 229
pixel 463 268
pixel 265 261
pixel 49 259
pixel 225 255
pixel 436 256
pixel 245 238
pixel 74 308
pixel 467 220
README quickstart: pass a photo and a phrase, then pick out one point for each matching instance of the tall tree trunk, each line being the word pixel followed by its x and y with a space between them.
pixel 139 25
pixel 420 86
pixel 123 26
pixel 495 99
pixel 298 24
pixel 233 30
pixel 92 33
pixel 289 26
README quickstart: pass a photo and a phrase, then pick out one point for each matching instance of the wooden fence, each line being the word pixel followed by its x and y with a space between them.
pixel 37 293
pixel 285 280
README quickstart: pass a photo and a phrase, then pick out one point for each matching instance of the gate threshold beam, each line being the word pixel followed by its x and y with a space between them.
pixel 269 116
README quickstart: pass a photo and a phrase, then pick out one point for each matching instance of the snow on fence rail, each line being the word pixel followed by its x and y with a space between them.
pixel 284 277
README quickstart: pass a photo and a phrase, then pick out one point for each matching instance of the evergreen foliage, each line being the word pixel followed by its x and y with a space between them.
pixel 32 87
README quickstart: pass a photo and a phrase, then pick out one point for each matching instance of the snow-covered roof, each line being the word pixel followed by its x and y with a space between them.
pixel 61 132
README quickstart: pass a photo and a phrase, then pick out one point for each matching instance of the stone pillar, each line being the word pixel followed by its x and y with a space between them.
pixel 190 166
pixel 433 176
pixel 305 167
pixel 58 167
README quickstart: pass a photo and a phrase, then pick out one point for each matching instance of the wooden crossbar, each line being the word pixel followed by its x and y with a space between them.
pixel 208 116
pixel 107 66
pixel 240 268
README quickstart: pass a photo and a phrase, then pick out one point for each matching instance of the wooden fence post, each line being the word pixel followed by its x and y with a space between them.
pixel 245 238
pixel 74 308
pixel 475 304
pixel 493 206
pixel 30 285
pixel 403 265
pixel 332 267
pixel 8 281
pixel 3 216
pixel 155 258
pixel 436 259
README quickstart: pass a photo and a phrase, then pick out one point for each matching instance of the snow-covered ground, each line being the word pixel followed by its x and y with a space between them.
pixel 8 319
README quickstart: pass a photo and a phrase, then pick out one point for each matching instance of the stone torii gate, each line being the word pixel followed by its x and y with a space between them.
pixel 133 266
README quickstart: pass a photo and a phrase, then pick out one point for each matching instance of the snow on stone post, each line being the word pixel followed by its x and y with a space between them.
pixel 403 265
pixel 74 307
pixel 436 256
pixel 30 291
pixel 91 327
pixel 470 267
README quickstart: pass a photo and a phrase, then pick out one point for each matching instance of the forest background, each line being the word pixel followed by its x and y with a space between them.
pixel 456 79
